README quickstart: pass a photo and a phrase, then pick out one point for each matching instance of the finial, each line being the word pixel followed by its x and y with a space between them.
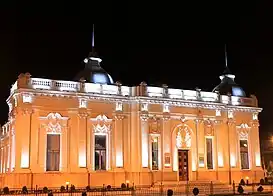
pixel 93 38
pixel 226 55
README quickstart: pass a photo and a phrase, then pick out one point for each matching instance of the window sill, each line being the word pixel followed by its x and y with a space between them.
pixel 53 172
pixel 101 171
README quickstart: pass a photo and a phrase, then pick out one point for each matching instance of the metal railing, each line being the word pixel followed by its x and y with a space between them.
pixel 176 189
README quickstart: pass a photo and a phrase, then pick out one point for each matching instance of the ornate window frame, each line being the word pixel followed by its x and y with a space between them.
pixel 102 125
pixel 54 124
pixel 155 133
pixel 243 131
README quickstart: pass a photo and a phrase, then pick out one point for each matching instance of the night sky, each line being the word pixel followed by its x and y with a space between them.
pixel 181 45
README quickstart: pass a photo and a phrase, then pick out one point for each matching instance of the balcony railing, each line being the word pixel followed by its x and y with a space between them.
pixel 142 90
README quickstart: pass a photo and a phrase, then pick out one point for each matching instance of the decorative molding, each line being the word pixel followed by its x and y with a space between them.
pixel 83 114
pixel 231 122
pixel 166 117
pixel 217 112
pixel 243 131
pixel 209 128
pixel 255 116
pixel 119 106
pixel 198 120
pixel 83 103
pixel 101 124
pixel 27 98
pixel 144 107
pixel 147 100
pixel 54 123
pixel 144 116
pixel 119 116
pixel 166 108
pixel 230 114
pixel 255 123
pixel 154 125
pixel 183 136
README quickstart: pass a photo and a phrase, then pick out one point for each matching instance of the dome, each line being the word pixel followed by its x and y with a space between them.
pixel 93 72
pixel 229 86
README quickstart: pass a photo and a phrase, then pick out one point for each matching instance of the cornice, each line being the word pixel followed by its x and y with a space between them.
pixel 140 99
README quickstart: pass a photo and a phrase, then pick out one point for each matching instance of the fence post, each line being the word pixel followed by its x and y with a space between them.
pixel 133 190
pixel 211 188
pixel 233 187
pixel 161 188
pixel 187 188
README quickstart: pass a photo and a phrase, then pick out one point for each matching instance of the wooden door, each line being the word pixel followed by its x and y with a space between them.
pixel 183 166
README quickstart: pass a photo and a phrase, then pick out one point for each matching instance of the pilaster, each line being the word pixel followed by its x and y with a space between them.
pixel 195 154
pixel 255 143
pixel 118 153
pixel 166 143
pixel 145 140
pixel 82 139
pixel 22 139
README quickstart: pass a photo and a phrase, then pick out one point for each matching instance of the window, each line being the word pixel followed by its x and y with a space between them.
pixel 155 153
pixel 100 152
pixel 53 152
pixel 209 153
pixel 244 154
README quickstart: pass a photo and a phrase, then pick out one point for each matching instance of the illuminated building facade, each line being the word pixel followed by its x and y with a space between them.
pixel 96 132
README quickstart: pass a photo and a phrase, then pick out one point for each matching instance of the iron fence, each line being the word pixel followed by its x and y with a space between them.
pixel 177 189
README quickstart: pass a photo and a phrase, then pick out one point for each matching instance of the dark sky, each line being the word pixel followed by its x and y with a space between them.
pixel 181 45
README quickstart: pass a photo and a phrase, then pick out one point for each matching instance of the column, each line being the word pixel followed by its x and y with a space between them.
pixel 118 135
pixel 82 136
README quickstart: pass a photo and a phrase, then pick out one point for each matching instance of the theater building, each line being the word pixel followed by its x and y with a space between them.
pixel 92 131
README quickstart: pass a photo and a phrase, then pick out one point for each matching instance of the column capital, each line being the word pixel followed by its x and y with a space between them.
pixel 217 122
pixel 198 120
pixel 119 116
pixel 83 114
pixel 166 116
pixel 255 123
pixel 144 116
pixel 23 111
pixel 231 121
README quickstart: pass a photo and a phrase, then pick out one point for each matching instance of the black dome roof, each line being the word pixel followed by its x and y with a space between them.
pixel 229 86
pixel 93 72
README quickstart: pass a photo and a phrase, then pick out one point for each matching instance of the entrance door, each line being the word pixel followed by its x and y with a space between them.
pixel 183 166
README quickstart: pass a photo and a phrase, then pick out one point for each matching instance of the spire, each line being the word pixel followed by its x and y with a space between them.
pixel 226 55
pixel 93 55
pixel 93 38
pixel 226 71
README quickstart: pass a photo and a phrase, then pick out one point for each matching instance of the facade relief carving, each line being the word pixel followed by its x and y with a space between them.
pixel 54 123
pixel 154 125
pixel 101 124
pixel 243 131
pixel 209 128
pixel 183 136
